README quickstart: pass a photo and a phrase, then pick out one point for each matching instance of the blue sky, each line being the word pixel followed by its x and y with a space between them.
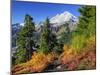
pixel 39 11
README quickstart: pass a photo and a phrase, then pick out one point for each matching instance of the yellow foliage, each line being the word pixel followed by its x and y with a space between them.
pixel 51 56
pixel 37 59
pixel 38 63
pixel 91 40
pixel 68 54
pixel 65 47
pixel 90 44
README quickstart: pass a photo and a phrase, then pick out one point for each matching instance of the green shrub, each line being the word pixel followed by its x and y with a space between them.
pixel 78 42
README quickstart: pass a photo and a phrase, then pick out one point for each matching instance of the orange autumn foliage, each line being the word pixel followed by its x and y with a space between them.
pixel 86 59
pixel 38 63
pixel 68 54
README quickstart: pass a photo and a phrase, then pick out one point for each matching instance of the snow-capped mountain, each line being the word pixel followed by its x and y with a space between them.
pixel 65 17
pixel 60 19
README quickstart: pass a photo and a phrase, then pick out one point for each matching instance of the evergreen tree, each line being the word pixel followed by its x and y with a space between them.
pixel 25 41
pixel 44 47
pixel 86 27
pixel 65 36
pixel 87 20
pixel 47 39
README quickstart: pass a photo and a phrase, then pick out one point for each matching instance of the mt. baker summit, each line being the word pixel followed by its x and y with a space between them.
pixel 63 17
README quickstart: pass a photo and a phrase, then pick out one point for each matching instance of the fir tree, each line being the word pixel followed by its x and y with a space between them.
pixel 25 41
pixel 87 20
pixel 86 26
pixel 47 39
pixel 44 48
pixel 65 36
